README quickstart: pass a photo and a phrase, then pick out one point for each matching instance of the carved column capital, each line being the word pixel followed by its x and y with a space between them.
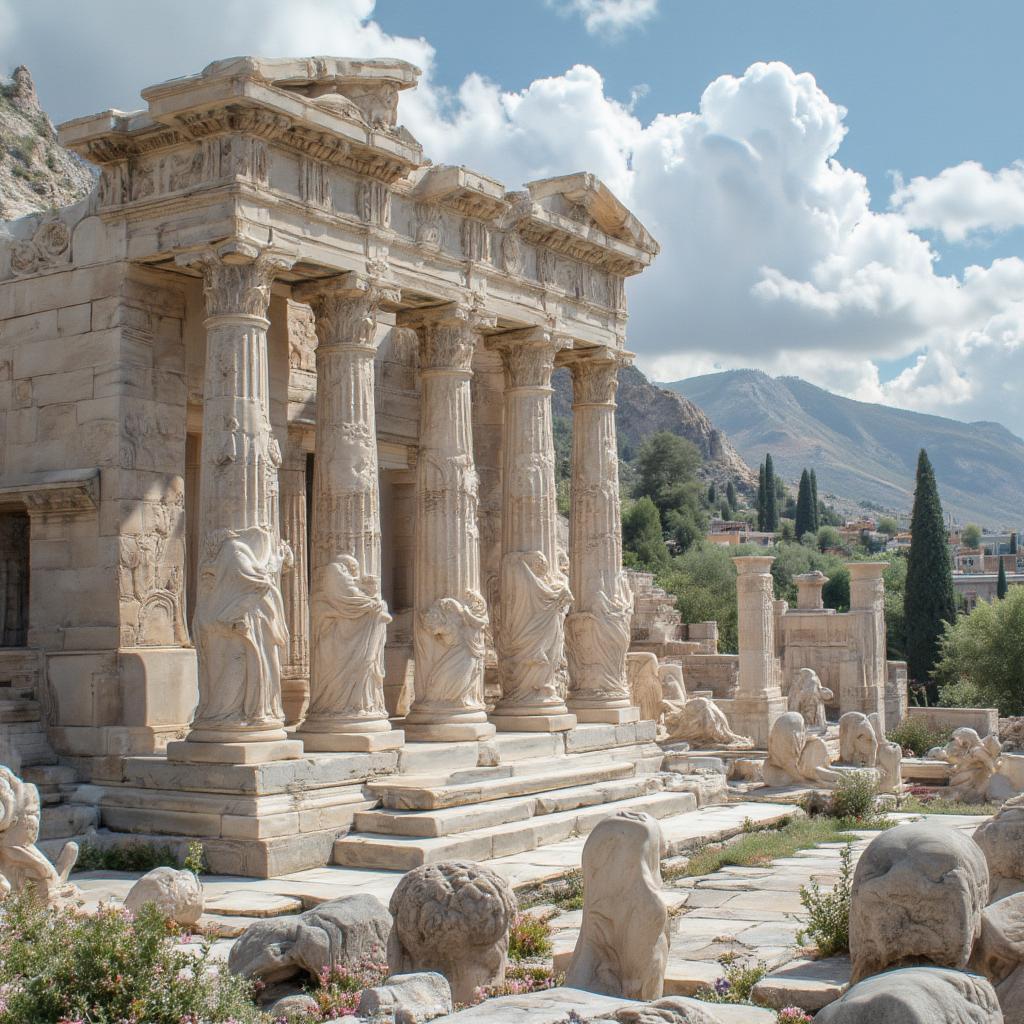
pixel 529 355
pixel 595 374
pixel 346 308
pixel 237 277
pixel 448 334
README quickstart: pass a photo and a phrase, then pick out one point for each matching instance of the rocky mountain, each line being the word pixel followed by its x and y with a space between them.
pixel 865 453
pixel 644 408
pixel 36 173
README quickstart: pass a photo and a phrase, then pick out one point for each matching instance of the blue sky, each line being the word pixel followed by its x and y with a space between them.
pixel 835 186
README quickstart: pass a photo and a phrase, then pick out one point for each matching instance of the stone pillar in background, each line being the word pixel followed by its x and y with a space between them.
pixel 867 604
pixel 348 616
pixel 450 617
pixel 534 590
pixel 808 591
pixel 597 629
pixel 295 584
pixel 240 632
pixel 758 700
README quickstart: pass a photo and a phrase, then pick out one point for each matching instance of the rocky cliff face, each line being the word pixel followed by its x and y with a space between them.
pixel 643 409
pixel 35 172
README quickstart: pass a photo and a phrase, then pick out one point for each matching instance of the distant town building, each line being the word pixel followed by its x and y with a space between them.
pixel 727 532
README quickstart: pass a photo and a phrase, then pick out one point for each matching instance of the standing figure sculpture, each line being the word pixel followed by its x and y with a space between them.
pixel 22 865
pixel 808 697
pixel 351 625
pixel 240 632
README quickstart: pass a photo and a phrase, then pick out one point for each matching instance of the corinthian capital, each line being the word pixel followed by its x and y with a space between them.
pixel 346 308
pixel 529 355
pixel 237 277
pixel 448 334
pixel 595 374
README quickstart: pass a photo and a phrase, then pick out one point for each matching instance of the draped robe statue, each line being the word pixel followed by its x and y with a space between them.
pixel 240 630
pixel 348 645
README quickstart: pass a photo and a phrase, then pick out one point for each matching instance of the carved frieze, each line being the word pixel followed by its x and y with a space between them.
pixel 49 246
pixel 301 337
pixel 375 203
pixel 429 227
pixel 476 241
pixel 314 183
pixel 512 254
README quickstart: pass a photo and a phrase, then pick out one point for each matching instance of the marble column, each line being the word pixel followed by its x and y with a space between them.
pixel 867 609
pixel 239 626
pixel 348 615
pixel 534 594
pixel 450 617
pixel 758 700
pixel 597 629
pixel 295 584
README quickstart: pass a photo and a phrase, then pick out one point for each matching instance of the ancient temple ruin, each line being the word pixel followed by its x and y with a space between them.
pixel 277 480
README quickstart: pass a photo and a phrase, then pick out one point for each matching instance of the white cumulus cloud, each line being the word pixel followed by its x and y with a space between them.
pixel 609 17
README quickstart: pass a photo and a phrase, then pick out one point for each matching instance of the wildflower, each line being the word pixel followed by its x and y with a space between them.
pixel 722 986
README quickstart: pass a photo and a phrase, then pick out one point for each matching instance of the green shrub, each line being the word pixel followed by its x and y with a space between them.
pixel 828 913
pixel 915 735
pixel 962 693
pixel 736 983
pixel 195 859
pixel 136 856
pixel 341 987
pixel 108 968
pixel 528 938
pixel 854 795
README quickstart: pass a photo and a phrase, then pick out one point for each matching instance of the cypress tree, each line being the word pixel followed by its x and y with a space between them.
pixel 712 495
pixel 928 600
pixel 1013 543
pixel 730 494
pixel 760 497
pixel 771 502
pixel 814 502
pixel 804 509
pixel 1001 585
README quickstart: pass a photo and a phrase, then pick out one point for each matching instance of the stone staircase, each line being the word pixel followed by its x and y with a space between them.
pixel 532 790
pixel 23 741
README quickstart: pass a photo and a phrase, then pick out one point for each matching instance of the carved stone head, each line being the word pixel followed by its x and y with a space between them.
pixel 453 918
pixel 19 810
pixel 858 744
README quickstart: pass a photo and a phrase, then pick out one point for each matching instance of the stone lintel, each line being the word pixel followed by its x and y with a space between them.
pixel 54 491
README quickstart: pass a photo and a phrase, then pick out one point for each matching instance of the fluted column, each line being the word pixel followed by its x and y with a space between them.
pixel 867 609
pixel 534 590
pixel 239 626
pixel 295 584
pixel 597 629
pixel 450 615
pixel 348 616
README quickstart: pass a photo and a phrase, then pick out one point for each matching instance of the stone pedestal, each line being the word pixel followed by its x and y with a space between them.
pixel 347 613
pixel 239 626
pixel 450 616
pixel 809 587
pixel 534 588
pixel 758 700
pixel 867 606
pixel 597 629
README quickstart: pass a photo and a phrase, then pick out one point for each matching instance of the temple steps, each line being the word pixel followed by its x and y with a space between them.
pixel 453 820
pixel 426 793
pixel 402 853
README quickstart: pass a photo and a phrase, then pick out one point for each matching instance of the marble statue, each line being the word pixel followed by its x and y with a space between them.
pixel 702 724
pixel 974 760
pixel 1001 839
pixel 918 893
pixel 794 757
pixel 535 601
pixel 457 655
pixel 858 744
pixel 351 621
pixel 22 865
pixel 672 685
pixel 454 918
pixel 808 697
pixel 622 949
pixel 240 631
pixel 644 684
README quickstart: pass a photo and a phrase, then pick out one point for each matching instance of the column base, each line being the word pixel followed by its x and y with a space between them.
pixel 606 716
pixel 533 723
pixel 351 742
pixel 446 732
pixel 252 752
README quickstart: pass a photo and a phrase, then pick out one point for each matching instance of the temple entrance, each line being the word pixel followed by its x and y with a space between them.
pixel 14 570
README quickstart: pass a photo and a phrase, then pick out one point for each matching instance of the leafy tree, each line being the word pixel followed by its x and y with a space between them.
pixel 888 526
pixel 642 540
pixel 686 525
pixel 665 465
pixel 804 506
pixel 771 497
pixel 970 536
pixel 1001 586
pixel 986 649
pixel 829 537
pixel 929 601
pixel 787 529
pixel 760 498
pixel 814 501
pixel 730 495
pixel 704 581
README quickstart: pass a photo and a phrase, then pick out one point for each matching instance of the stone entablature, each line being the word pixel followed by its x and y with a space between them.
pixel 225 525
